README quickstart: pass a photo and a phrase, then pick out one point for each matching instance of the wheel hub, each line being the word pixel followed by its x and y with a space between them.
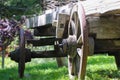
pixel 70 45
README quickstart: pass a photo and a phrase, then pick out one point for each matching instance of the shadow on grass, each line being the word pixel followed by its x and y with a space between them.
pixel 104 75
pixel 102 67
pixel 105 70
pixel 45 71
pixel 6 74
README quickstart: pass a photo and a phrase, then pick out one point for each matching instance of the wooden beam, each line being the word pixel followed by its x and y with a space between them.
pixel 107 45
pixel 106 27
pixel 42 41
pixel 46 54
pixel 101 6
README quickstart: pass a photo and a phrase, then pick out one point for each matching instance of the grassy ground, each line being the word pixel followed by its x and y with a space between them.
pixel 100 67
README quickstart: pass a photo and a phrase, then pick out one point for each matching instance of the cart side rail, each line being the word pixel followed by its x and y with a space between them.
pixel 101 6
pixel 48 17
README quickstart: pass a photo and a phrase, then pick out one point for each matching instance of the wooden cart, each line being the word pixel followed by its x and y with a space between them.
pixel 74 32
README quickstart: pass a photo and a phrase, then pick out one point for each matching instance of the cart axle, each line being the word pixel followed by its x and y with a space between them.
pixel 35 54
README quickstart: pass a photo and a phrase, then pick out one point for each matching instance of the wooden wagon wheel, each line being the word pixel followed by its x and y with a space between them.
pixel 77 27
pixel 21 64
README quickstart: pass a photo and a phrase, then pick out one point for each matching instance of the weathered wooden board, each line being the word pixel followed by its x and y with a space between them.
pixel 48 17
pixel 105 27
pixel 91 7
pixel 103 18
pixel 106 45
pixel 40 20
pixel 101 6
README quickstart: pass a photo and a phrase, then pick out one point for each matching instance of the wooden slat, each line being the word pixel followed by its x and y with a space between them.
pixel 47 30
pixel 39 20
pixel 107 45
pixel 48 17
pixel 42 41
pixel 47 54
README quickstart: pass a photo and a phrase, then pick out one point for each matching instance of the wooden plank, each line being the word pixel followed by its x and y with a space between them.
pixel 105 27
pixel 48 30
pixel 106 45
pixel 47 54
pixel 62 21
pixel 42 41
pixel 100 6
pixel 40 20
pixel 48 17
pixel 104 18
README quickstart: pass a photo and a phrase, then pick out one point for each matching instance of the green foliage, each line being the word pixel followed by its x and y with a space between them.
pixel 100 67
pixel 19 7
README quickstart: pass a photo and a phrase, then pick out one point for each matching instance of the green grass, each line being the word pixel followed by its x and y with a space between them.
pixel 100 67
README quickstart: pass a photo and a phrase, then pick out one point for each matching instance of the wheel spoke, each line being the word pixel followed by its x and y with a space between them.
pixel 80 41
pixel 73 27
pixel 76 20
pixel 79 51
